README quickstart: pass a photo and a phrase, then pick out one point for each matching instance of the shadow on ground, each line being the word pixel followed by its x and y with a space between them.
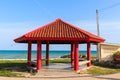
pixel 19 67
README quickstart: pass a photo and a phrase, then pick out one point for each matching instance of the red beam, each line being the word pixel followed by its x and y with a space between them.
pixel 72 55
pixel 76 56
pixel 29 53
pixel 47 54
pixel 39 55
pixel 88 54
pixel 59 39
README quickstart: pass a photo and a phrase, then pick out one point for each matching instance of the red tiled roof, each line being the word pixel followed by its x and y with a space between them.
pixel 59 30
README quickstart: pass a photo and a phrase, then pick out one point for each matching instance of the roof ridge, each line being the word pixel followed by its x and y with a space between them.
pixel 73 26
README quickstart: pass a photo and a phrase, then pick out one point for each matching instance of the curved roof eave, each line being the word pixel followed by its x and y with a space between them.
pixel 76 34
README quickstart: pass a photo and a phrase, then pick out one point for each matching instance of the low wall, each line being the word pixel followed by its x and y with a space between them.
pixel 107 51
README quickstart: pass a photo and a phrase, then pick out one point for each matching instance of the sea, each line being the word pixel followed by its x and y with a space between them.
pixel 22 54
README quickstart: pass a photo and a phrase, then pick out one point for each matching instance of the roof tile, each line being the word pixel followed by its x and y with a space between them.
pixel 59 29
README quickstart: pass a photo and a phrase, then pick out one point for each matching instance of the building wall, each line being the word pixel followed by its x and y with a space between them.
pixel 107 51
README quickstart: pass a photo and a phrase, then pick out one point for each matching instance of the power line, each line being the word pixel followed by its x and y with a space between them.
pixel 109 7
pixel 104 9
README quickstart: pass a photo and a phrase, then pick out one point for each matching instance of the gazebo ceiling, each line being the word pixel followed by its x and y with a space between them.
pixel 59 32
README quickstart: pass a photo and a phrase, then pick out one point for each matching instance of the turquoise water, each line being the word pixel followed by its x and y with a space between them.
pixel 22 54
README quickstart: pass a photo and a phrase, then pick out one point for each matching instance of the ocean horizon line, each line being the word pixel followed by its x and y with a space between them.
pixel 44 50
pixel 22 54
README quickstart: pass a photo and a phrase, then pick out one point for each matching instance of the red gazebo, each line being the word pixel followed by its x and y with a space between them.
pixel 59 32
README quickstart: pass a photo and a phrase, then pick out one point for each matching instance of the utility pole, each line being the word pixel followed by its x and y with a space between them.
pixel 98 34
pixel 97 21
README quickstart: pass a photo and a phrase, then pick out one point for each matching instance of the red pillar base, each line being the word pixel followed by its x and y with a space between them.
pixel 89 64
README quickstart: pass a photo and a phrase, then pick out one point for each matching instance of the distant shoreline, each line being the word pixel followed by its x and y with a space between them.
pixel 13 59
pixel 33 59
pixel 14 54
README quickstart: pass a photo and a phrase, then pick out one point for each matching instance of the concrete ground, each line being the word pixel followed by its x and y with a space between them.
pixel 68 77
pixel 63 72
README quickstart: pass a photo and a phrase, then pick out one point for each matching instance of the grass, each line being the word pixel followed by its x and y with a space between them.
pixel 96 70
pixel 10 73
pixel 12 68
pixel 12 63
pixel 64 60
pixel 103 68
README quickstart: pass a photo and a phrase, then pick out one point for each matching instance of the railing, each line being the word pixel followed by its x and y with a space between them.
pixel 83 62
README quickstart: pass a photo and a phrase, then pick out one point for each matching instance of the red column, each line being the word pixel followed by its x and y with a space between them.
pixel 72 55
pixel 88 54
pixel 47 54
pixel 39 55
pixel 76 56
pixel 29 53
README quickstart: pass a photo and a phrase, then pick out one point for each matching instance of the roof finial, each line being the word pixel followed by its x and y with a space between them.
pixel 58 19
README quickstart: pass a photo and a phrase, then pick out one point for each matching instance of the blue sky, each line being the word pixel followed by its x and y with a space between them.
pixel 20 16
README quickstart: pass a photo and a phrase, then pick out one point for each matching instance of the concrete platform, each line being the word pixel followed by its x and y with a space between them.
pixel 61 66
pixel 57 70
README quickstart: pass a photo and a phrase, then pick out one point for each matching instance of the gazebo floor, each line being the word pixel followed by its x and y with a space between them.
pixel 58 70
pixel 61 66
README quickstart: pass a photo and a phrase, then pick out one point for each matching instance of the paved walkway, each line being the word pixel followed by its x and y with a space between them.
pixel 80 77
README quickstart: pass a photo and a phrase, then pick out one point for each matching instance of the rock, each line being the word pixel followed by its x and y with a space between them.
pixel 69 56
pixel 66 56
pixel 118 65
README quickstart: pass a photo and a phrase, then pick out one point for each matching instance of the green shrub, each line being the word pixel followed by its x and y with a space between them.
pixel 117 53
